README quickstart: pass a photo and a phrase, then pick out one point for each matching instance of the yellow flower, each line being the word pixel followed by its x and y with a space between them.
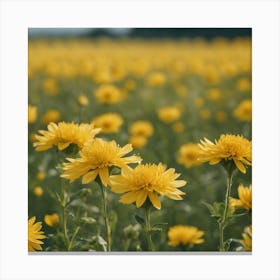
pixel 138 142
pixel 247 239
pixel 64 134
pixel 178 127
pixel 221 116
pixel 243 112
pixel 229 147
pixel 181 90
pixel 189 154
pixel 32 113
pixel 198 102
pixel 109 122
pixel 156 79
pixel 38 191
pixel 52 220
pixel 243 84
pixel 204 114
pixel 245 198
pixel 41 175
pixel 130 84
pixel 141 128
pixel 213 94
pixel 184 235
pixel 50 86
pixel 34 235
pixel 169 114
pixel 83 100
pixel 147 181
pixel 95 160
pixel 108 94
pixel 51 116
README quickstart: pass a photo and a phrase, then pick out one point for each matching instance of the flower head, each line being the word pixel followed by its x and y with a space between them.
pixel 64 134
pixel 38 191
pixel 243 112
pixel 189 154
pixel 169 114
pixel 51 115
pixel 184 235
pixel 52 220
pixel 95 160
pixel 83 100
pixel 32 113
pixel 229 147
pixel 141 128
pixel 247 239
pixel 147 181
pixel 245 198
pixel 34 235
pixel 109 122
pixel 156 79
pixel 108 94
pixel 138 142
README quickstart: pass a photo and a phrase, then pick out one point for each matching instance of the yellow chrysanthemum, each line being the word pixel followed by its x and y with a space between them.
pixel 169 114
pixel 184 235
pixel 34 235
pixel 41 175
pixel 95 160
pixel 221 116
pixel 38 191
pixel 243 112
pixel 109 122
pixel 138 142
pixel 52 220
pixel 243 84
pixel 141 128
pixel 247 239
pixel 51 116
pixel 156 79
pixel 178 127
pixel 108 94
pixel 32 113
pixel 50 86
pixel 189 154
pixel 64 134
pixel 147 181
pixel 245 198
pixel 229 147
pixel 83 100
pixel 213 94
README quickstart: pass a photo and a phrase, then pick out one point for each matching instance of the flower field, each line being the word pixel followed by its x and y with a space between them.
pixel 139 145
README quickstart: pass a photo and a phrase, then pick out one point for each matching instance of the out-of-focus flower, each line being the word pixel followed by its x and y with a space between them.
pixel 141 128
pixel 243 112
pixel 109 122
pixel 205 114
pixel 96 159
pixel 213 94
pixel 52 220
pixel 243 84
pixel 83 100
pixel 34 235
pixel 156 79
pixel 221 116
pixel 50 87
pixel 147 181
pixel 188 155
pixel 198 102
pixel 32 113
pixel 38 191
pixel 130 85
pixel 138 142
pixel 184 235
pixel 108 94
pixel 169 114
pixel 181 90
pixel 245 198
pixel 247 239
pixel 64 134
pixel 178 127
pixel 51 116
pixel 229 147
pixel 41 175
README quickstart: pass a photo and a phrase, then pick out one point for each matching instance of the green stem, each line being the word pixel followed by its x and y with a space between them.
pixel 106 219
pixel 64 221
pixel 222 223
pixel 148 228
pixel 73 238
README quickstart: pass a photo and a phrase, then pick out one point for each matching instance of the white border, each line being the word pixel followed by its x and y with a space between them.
pixel 17 16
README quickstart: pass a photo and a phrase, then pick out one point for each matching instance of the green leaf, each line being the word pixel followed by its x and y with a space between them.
pixel 139 219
